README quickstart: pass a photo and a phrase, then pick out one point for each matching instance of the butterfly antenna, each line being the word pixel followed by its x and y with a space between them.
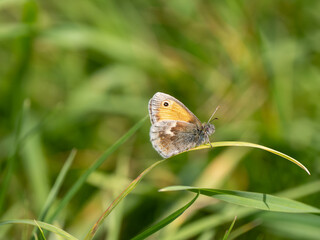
pixel 214 113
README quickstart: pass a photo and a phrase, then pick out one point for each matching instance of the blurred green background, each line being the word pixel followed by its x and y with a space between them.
pixel 79 74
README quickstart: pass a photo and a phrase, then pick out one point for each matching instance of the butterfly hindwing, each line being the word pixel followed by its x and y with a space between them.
pixel 172 137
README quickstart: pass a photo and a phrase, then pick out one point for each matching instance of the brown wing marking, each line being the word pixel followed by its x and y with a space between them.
pixel 172 137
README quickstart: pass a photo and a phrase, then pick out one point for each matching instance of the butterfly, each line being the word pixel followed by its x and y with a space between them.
pixel 174 128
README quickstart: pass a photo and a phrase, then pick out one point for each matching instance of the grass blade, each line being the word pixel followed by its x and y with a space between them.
pixel 251 199
pixel 244 229
pixel 212 221
pixel 11 161
pixel 225 237
pixel 165 221
pixel 253 145
pixel 41 232
pixel 94 166
pixel 125 192
pixel 56 187
pixel 133 184
pixel 43 225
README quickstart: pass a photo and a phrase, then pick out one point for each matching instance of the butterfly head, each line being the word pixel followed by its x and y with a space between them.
pixel 208 129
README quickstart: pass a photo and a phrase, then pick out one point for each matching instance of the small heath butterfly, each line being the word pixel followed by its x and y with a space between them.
pixel 174 127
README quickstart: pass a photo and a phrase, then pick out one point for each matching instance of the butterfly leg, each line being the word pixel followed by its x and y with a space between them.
pixel 208 139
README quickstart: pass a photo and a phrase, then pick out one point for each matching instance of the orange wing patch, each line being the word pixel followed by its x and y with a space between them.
pixel 171 110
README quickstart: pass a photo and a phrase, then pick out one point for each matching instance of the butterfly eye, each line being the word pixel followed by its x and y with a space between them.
pixel 165 103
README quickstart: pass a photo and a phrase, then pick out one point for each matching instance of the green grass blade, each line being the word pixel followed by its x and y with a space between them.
pixel 56 187
pixel 41 231
pixel 34 163
pixel 165 221
pixel 94 166
pixel 253 145
pixel 125 192
pixel 244 229
pixel 11 160
pixel 225 237
pixel 43 225
pixel 212 221
pixel 251 199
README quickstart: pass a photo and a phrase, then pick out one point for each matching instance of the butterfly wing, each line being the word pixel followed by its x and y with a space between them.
pixel 174 127
pixel 163 107
pixel 172 137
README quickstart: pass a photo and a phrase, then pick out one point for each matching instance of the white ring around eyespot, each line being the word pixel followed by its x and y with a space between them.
pixel 165 102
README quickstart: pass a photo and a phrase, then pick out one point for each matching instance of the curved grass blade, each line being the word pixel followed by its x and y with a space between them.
pixel 125 192
pixel 165 221
pixel 43 225
pixel 251 199
pixel 196 227
pixel 94 166
pixel 253 145
pixel 225 237
pixel 133 184
pixel 42 237
pixel 55 189
pixel 245 228
pixel 12 158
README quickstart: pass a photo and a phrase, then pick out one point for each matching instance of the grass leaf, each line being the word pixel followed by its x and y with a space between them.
pixel 43 225
pixel 244 229
pixel 94 166
pixel 165 221
pixel 225 237
pixel 253 145
pixel 11 160
pixel 125 192
pixel 212 221
pixel 56 187
pixel 251 199
pixel 40 229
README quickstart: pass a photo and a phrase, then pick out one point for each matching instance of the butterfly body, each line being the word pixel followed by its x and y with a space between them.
pixel 174 127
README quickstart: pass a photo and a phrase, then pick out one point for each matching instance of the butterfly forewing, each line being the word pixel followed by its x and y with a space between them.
pixel 164 107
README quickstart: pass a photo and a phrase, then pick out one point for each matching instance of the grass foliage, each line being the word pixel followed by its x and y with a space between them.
pixel 78 75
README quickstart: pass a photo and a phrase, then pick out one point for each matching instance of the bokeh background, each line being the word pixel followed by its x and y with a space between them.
pixel 79 74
